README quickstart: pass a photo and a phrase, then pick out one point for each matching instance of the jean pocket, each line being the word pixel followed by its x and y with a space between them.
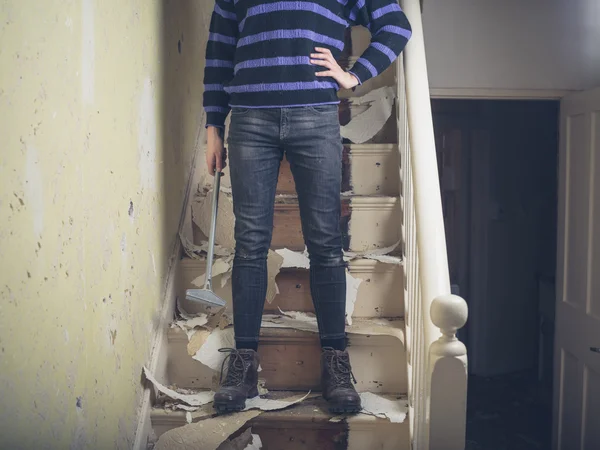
pixel 239 111
pixel 323 109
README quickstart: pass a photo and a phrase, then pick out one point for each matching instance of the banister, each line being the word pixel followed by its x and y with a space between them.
pixel 437 359
pixel 433 260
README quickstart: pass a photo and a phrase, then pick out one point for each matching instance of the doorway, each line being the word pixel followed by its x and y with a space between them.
pixel 497 163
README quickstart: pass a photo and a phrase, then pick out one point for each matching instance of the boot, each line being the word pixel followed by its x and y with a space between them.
pixel 241 380
pixel 336 379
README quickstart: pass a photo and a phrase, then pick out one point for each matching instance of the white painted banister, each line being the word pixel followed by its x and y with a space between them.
pixel 437 361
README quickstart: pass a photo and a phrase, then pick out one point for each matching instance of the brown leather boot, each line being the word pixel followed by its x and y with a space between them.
pixel 241 381
pixel 336 379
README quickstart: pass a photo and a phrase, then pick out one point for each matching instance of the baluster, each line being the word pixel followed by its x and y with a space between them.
pixel 448 379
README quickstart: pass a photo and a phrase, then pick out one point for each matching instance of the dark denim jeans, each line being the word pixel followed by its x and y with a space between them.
pixel 310 138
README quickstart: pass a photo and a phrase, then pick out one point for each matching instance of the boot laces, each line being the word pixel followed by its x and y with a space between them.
pixel 236 368
pixel 340 369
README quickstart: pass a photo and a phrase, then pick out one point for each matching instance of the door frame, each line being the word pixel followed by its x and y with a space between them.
pixel 498 94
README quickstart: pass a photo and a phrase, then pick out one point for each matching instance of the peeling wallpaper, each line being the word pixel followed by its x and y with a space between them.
pixel 100 108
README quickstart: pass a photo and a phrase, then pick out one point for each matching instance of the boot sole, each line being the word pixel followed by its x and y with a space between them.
pixel 344 409
pixel 226 408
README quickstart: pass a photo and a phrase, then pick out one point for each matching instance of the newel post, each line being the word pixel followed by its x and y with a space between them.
pixel 448 376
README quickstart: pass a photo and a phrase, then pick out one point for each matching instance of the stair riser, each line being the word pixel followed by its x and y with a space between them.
pixel 365 226
pixel 292 363
pixel 379 295
pixel 366 223
pixel 366 170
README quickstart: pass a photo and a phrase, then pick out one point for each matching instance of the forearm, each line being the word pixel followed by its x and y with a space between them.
pixel 390 32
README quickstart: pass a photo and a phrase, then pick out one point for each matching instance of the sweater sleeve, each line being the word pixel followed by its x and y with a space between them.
pixel 220 52
pixel 390 31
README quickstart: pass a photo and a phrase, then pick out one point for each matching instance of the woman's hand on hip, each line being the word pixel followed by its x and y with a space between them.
pixel 324 58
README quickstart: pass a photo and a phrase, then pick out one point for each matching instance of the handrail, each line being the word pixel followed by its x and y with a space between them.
pixel 436 359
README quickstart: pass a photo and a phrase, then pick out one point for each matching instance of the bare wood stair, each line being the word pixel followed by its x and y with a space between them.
pixel 308 426
pixel 380 294
pixel 290 358
pixel 290 361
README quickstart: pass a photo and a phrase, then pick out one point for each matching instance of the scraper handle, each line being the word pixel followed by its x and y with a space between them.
pixel 213 227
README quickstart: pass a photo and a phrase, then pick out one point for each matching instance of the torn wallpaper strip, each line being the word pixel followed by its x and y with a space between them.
pixel 210 433
pixel 292 319
pixel 197 399
pixel 244 441
pixel 189 325
pixel 209 354
pixel 255 444
pixel 380 254
pixel 199 251
pixel 220 266
pixel 292 259
pixel 183 407
pixel 367 124
pixel 206 434
pixel 308 322
pixel 197 340
pixel 266 404
pixel 376 405
pixel 274 262
pixel 202 213
pixel 352 285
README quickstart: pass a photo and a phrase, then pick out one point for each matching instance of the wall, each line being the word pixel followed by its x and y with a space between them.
pixel 100 107
pixel 513 44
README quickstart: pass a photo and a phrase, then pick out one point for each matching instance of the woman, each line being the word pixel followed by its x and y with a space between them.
pixel 272 64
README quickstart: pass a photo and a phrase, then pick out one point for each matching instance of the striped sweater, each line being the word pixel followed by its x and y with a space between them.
pixel 258 51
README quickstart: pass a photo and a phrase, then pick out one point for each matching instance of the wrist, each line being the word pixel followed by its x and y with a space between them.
pixel 355 81
pixel 215 131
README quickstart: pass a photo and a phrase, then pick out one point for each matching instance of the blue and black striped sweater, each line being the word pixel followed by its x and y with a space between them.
pixel 258 51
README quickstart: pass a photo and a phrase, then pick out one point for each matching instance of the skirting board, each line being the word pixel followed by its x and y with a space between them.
pixel 158 357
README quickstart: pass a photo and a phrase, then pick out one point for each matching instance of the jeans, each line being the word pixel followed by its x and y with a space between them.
pixel 309 136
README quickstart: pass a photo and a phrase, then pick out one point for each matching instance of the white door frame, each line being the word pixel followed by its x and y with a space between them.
pixel 498 94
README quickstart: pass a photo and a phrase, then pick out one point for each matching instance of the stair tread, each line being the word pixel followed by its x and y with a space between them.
pixel 368 327
pixel 358 261
pixel 313 410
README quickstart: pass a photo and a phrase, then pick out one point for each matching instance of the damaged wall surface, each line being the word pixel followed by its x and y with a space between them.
pixel 101 106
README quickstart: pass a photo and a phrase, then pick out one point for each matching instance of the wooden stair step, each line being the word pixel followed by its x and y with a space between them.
pixel 290 360
pixel 367 223
pixel 367 169
pixel 381 293
pixel 305 426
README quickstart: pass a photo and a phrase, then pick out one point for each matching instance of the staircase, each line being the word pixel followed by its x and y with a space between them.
pixel 390 195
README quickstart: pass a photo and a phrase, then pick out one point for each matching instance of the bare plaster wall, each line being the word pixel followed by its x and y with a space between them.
pixel 100 112
pixel 512 44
